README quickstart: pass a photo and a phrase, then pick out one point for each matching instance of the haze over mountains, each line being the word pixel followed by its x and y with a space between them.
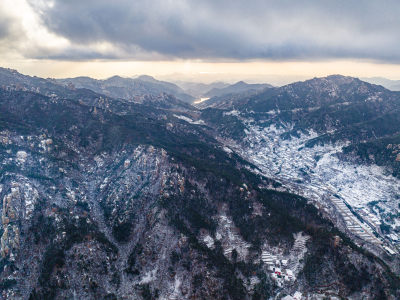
pixel 128 88
pixel 135 88
pixel 199 90
pixel 120 188
pixel 146 85
pixel 393 85
pixel 239 87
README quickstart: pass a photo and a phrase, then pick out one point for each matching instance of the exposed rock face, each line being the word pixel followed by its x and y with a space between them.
pixel 103 198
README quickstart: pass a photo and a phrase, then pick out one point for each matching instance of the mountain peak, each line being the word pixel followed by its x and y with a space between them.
pixel 8 70
pixel 341 78
pixel 333 82
pixel 240 83
pixel 334 78
pixel 146 78
pixel 115 77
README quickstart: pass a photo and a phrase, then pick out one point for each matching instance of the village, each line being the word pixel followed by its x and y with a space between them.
pixel 342 189
pixel 284 268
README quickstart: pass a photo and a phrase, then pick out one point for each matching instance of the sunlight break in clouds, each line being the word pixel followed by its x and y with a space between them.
pixel 220 40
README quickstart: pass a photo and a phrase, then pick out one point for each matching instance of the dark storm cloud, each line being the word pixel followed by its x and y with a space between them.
pixel 9 28
pixel 4 29
pixel 212 29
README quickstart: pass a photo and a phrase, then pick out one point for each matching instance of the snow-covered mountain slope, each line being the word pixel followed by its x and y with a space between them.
pixel 333 181
pixel 108 199
pixel 334 140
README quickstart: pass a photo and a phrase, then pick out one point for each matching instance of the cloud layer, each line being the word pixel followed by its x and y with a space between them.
pixel 220 29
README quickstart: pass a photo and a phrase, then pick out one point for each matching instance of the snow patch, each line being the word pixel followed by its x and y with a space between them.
pixel 227 150
pixel 189 120
pixel 149 276
pixel 232 113
pixel 230 238
pixel 21 156
pixel 209 241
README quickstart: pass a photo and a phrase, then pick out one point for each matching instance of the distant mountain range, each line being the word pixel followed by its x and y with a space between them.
pixel 128 88
pixel 220 89
pixel 229 95
pixel 393 85
pixel 239 87
pixel 198 90
pixel 132 88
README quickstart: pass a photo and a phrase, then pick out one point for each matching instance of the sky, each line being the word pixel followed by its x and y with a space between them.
pixel 258 40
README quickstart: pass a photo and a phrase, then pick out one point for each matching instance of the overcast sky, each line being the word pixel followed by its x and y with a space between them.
pixel 69 34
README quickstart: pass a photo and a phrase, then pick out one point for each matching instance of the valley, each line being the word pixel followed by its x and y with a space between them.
pixel 199 150
pixel 348 191
pixel 152 197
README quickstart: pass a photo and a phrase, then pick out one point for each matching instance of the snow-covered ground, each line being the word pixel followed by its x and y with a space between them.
pixel 189 120
pixel 319 174
pixel 229 237
pixel 284 268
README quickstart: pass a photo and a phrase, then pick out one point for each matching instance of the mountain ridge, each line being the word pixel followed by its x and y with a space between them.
pixel 238 87
pixel 129 199
pixel 128 88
